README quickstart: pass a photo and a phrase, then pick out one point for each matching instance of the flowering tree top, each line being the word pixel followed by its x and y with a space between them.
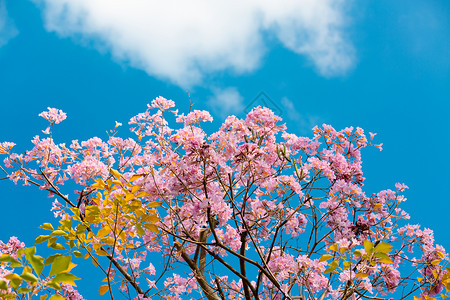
pixel 248 212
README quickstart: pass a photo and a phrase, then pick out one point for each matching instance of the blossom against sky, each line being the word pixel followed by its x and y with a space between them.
pixel 380 65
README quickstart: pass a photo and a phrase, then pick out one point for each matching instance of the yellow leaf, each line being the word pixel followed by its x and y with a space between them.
pixel 103 289
pixel 142 194
pixel 347 264
pixel 129 197
pixel 435 262
pixel 115 173
pixel 368 246
pixel 333 247
pixel 103 232
pixel 419 279
pixel 154 204
pixel 99 184
pixel 94 261
pixel 383 247
pixel 13 276
pixel 69 268
pixel 46 226
pixel 386 261
pixel 334 264
pixel 108 240
pixel 152 227
pixel 325 257
pixel 135 188
pixel 134 177
pixel 101 252
pixel 117 182
pixel 152 218
pixel 362 275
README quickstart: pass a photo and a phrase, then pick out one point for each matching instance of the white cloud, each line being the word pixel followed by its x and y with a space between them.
pixel 304 122
pixel 7 28
pixel 289 108
pixel 225 102
pixel 183 41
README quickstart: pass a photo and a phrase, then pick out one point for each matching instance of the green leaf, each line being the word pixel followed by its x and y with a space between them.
pixel 14 280
pixel 60 264
pixel 65 224
pixel 80 228
pixel 52 240
pixel 347 264
pixel 54 285
pixel 7 258
pixel 381 255
pixel 77 253
pixel 57 297
pixel 58 233
pixel 29 277
pixel 368 246
pixel 65 278
pixel 57 246
pixel 384 258
pixel 334 264
pixel 23 290
pixel 37 262
pixel 46 226
pixel 51 258
pixel 29 251
pixel 3 285
pixel 41 239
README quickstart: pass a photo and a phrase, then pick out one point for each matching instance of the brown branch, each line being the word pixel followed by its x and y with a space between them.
pixel 206 288
pixel 219 288
pixel 242 264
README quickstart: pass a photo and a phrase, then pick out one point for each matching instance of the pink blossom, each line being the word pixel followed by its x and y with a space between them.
pixel 53 115
pixel 162 103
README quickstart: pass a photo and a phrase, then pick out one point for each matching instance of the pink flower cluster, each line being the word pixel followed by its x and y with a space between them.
pixel 53 115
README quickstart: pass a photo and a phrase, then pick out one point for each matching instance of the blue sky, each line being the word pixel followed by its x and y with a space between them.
pixel 380 65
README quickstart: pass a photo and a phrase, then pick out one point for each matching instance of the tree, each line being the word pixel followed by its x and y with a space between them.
pixel 248 212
